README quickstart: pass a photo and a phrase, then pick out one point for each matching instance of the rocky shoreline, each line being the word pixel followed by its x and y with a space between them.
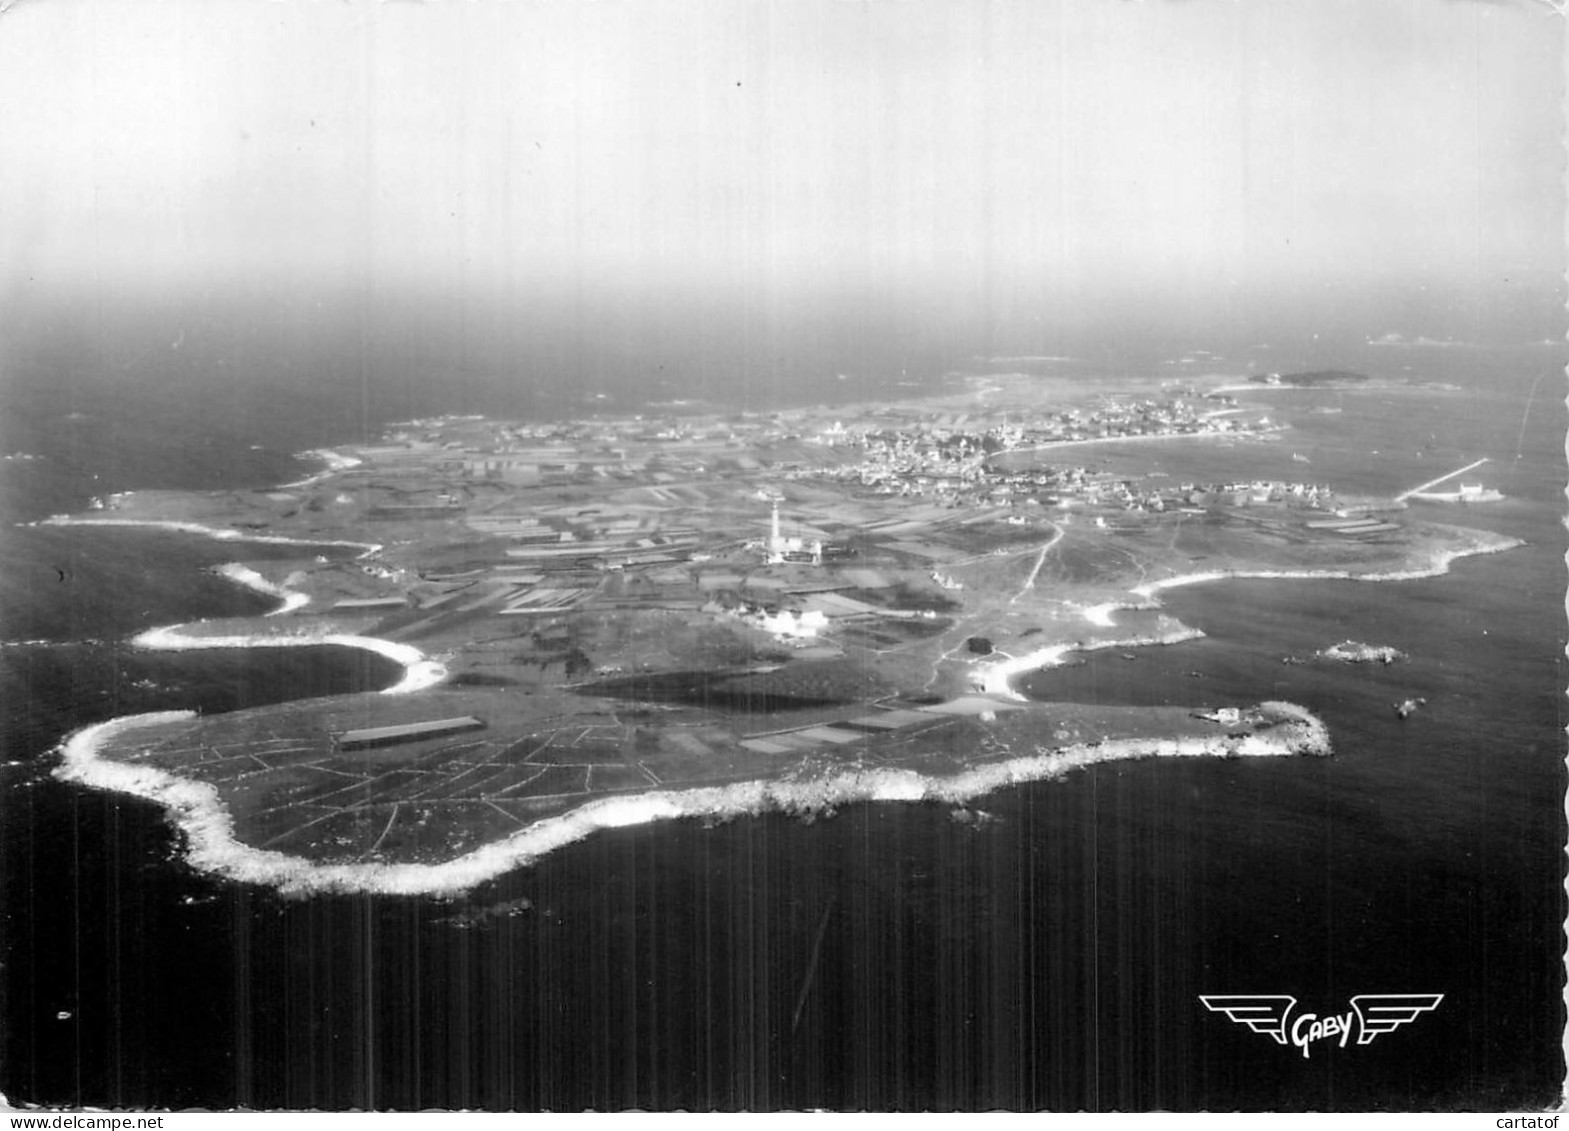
pixel 198 810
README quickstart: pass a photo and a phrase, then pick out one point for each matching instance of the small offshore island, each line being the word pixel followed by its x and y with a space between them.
pixel 616 620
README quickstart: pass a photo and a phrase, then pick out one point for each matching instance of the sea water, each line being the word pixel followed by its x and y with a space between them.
pixel 1044 948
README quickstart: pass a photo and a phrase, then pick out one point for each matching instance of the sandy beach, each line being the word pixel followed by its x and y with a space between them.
pixel 214 532
pixel 419 672
pixel 335 462
pixel 996 678
pixel 1438 566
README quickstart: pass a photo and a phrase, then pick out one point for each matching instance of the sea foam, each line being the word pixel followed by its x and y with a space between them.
pixel 250 579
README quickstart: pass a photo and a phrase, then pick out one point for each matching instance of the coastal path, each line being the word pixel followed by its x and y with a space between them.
pixel 1039 561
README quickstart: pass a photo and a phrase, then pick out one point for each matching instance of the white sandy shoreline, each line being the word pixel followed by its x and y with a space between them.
pixel 335 462
pixel 197 809
pixel 215 532
pixel 1439 566
pixel 419 672
pixel 996 678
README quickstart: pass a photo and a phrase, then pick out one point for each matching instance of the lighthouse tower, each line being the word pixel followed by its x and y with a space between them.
pixel 776 545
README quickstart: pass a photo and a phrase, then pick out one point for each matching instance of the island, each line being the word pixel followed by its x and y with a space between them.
pixel 1356 652
pixel 697 613
pixel 1322 378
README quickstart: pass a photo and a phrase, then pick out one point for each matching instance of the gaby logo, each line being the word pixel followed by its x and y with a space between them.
pixel 1370 1016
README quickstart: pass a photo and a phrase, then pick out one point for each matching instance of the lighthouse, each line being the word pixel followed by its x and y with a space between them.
pixel 775 540
pixel 782 549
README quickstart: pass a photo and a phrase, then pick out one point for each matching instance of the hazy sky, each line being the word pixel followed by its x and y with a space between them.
pixel 1379 165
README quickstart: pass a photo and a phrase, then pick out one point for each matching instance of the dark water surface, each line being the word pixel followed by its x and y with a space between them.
pixel 890 956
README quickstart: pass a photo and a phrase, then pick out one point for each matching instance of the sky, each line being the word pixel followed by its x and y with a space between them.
pixel 991 174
